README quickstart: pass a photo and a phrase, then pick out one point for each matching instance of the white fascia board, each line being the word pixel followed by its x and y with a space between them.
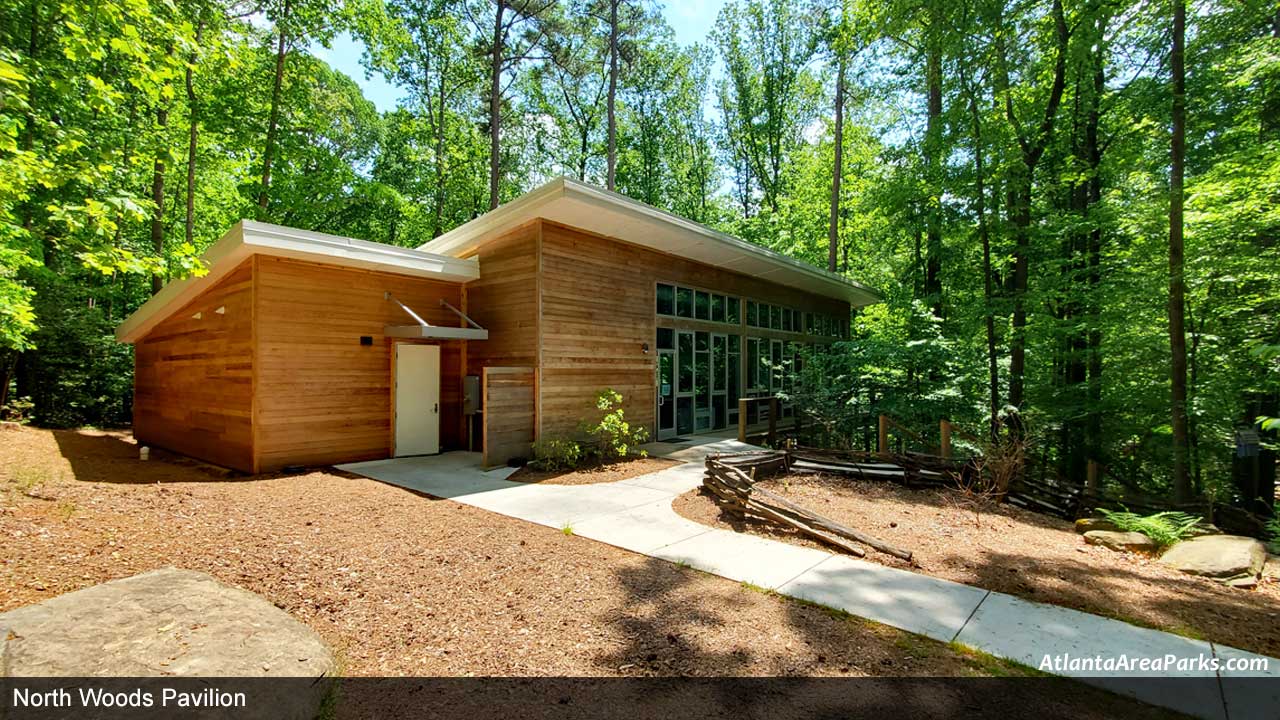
pixel 280 241
pixel 460 241
pixel 220 259
pixel 247 238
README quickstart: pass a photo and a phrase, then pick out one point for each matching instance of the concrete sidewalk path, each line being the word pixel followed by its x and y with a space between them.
pixel 636 515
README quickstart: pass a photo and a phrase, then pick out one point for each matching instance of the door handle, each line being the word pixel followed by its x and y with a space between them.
pixel 436 408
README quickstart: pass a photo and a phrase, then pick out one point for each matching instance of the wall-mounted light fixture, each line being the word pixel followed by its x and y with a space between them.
pixel 644 348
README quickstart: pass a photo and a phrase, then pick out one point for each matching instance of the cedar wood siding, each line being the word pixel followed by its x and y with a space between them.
pixel 281 379
pixel 504 301
pixel 597 300
pixel 322 397
pixel 193 379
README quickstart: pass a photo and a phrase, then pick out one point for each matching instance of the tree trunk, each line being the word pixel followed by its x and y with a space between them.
pixel 193 136
pixel 1270 116
pixel 8 363
pixel 495 102
pixel 933 165
pixel 1020 215
pixel 613 92
pixel 837 171
pixel 157 198
pixel 988 291
pixel 1177 283
pixel 29 131
pixel 1020 197
pixel 1093 262
pixel 273 121
pixel 437 226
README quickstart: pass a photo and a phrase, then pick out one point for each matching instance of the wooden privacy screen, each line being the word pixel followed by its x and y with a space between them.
pixel 508 394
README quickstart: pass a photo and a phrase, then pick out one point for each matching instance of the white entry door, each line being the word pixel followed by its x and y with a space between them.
pixel 417 378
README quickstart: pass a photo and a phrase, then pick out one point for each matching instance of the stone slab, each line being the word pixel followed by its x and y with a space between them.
pixel 1217 556
pixel 1121 541
pixel 163 622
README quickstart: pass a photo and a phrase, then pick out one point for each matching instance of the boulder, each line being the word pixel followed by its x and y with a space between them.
pixel 1217 556
pixel 1121 541
pixel 1084 525
pixel 170 622
pixel 1271 568
pixel 1204 528
pixel 1244 582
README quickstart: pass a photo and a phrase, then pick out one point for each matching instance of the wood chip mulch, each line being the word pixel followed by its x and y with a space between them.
pixel 1022 553
pixel 405 584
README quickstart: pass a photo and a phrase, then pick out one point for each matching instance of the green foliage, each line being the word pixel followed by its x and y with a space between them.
pixel 612 437
pixel 1273 530
pixel 552 454
pixel 1164 528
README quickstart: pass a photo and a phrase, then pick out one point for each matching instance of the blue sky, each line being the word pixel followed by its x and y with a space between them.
pixel 690 19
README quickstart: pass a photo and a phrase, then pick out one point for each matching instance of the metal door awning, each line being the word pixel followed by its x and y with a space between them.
pixel 425 330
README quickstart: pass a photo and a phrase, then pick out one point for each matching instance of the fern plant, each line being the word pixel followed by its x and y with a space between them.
pixel 1164 528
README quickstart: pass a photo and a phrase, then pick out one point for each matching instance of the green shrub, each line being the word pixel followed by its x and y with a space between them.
pixel 1273 530
pixel 556 454
pixel 1164 528
pixel 612 437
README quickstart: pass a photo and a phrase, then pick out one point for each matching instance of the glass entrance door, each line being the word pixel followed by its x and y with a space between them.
pixel 719 385
pixel 697 381
pixel 666 392
pixel 685 388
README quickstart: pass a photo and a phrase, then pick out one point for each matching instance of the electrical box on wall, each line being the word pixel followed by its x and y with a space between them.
pixel 470 395
pixel 366 339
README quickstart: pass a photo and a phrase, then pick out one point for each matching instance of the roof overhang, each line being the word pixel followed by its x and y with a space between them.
pixel 248 238
pixel 607 213
pixel 428 332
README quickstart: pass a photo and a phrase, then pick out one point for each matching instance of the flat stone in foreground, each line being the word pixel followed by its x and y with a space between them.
pixel 1217 556
pixel 166 622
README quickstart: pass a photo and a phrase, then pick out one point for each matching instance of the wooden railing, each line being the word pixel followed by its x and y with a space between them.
pixel 771 428
pixel 946 430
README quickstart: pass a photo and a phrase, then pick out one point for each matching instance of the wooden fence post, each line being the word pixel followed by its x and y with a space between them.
pixel 742 420
pixel 882 437
pixel 773 419
pixel 944 448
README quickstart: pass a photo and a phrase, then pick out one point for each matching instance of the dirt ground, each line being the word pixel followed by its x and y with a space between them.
pixel 404 584
pixel 599 473
pixel 1021 553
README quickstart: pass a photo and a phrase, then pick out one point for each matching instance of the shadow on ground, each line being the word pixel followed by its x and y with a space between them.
pixel 687 626
pixel 112 457
pixel 1190 606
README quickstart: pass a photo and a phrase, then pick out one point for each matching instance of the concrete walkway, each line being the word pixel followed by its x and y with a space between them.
pixel 636 515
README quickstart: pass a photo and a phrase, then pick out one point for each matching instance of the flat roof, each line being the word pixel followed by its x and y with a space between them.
pixel 247 238
pixel 610 214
